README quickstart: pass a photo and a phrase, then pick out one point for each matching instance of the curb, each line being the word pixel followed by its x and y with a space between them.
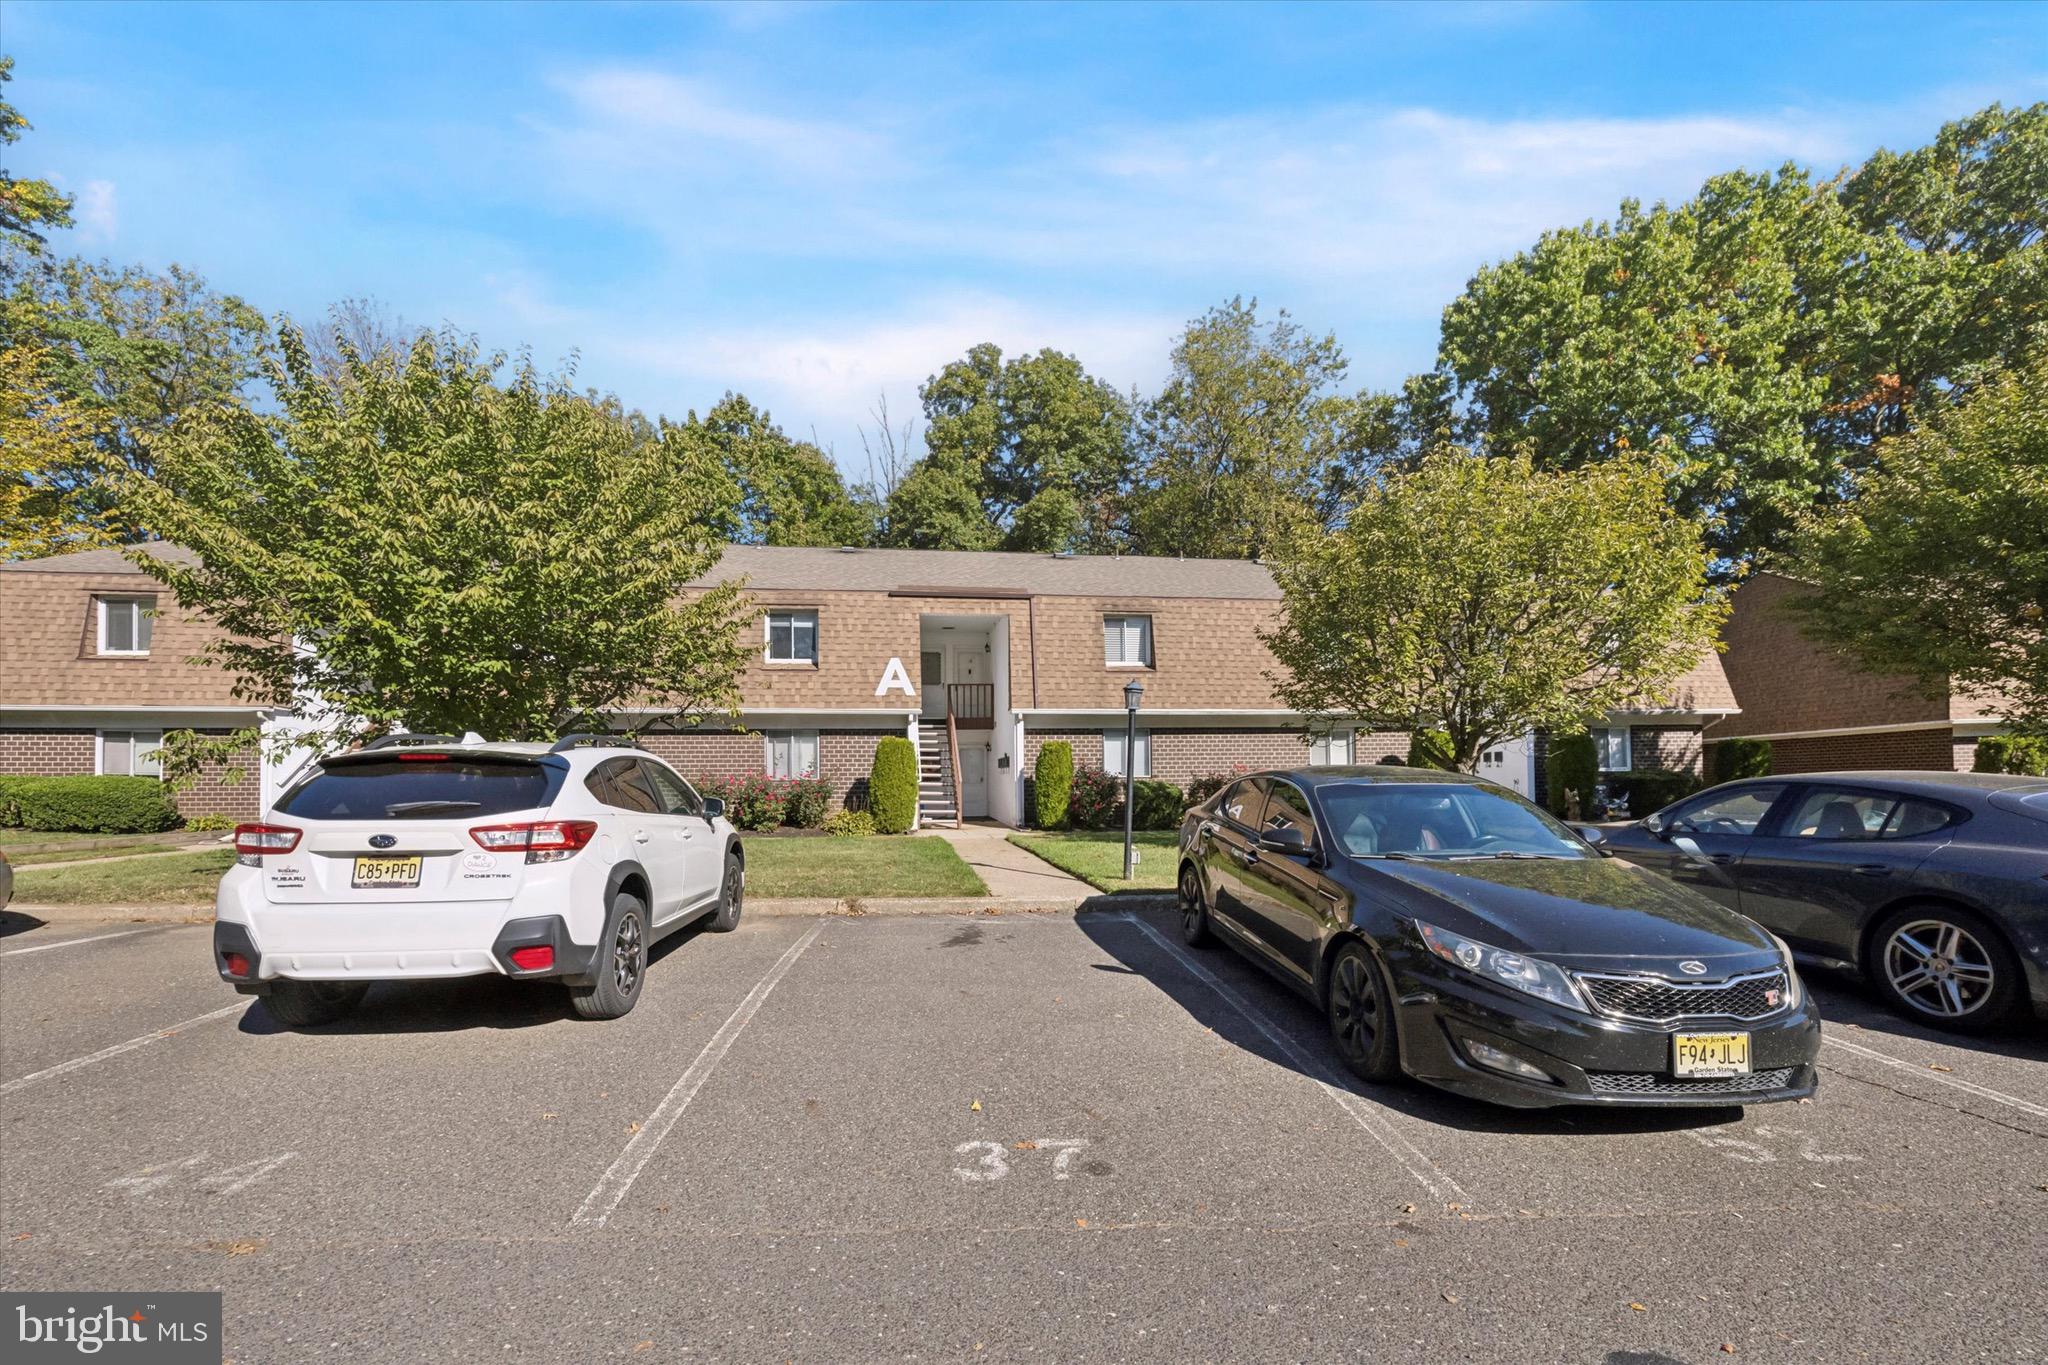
pixel 851 907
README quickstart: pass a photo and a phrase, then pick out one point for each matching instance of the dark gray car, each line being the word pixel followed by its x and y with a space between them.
pixel 1932 885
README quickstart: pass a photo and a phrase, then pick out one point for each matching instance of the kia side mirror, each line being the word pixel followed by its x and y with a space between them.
pixel 1656 824
pixel 1595 836
pixel 1283 841
pixel 713 808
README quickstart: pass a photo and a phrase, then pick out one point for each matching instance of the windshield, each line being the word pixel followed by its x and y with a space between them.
pixel 1415 821
pixel 415 789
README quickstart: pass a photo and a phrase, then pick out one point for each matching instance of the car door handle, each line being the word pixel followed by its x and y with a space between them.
pixel 1721 859
pixel 639 836
pixel 1871 870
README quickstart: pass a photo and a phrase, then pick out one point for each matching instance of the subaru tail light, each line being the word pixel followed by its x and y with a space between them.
pixel 253 840
pixel 542 841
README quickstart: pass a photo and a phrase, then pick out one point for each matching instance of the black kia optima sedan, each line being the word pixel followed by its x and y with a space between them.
pixel 1931 885
pixel 1453 931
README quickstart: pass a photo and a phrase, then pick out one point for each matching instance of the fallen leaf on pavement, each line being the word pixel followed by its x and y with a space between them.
pixel 644 1346
pixel 1080 1222
pixel 1637 1307
pixel 1407 1208
pixel 633 1127
pixel 24 1236
pixel 1727 1348
pixel 975 1107
pixel 550 1116
pixel 1449 1297
pixel 1937 1066
pixel 1027 1145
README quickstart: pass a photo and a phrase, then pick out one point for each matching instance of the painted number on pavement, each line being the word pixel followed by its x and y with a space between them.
pixel 984 1161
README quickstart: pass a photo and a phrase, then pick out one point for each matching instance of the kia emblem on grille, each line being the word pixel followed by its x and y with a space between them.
pixel 1691 967
pixel 387 840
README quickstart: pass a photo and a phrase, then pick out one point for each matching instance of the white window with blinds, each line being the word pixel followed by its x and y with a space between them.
pixel 1332 750
pixel 130 753
pixel 125 624
pixel 1614 750
pixel 1113 753
pixel 1127 641
pixel 792 637
pixel 791 753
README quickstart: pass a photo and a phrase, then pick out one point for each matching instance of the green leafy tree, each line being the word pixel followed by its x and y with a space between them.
pixel 1041 446
pixel 787 492
pixel 444 545
pixel 1250 442
pixel 27 207
pixel 1762 337
pixel 1485 598
pixel 1938 567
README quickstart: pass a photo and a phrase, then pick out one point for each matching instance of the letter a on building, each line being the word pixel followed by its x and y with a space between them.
pixel 895 678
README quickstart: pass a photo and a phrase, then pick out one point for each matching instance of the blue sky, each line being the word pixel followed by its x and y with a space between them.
pixel 817 204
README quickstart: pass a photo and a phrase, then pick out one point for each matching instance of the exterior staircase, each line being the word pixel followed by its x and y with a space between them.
pixel 937 802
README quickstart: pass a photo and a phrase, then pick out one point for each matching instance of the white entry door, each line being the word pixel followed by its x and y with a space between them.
pixel 973 781
pixel 969 665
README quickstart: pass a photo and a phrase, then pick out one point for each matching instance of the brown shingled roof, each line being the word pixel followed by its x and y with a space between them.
pixel 855 570
pixel 101 561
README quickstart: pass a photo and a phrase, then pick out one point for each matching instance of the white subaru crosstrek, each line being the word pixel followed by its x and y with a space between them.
pixel 425 856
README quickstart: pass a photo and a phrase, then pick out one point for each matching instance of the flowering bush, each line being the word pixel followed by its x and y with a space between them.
pixel 1207 785
pixel 754 802
pixel 805 800
pixel 1097 800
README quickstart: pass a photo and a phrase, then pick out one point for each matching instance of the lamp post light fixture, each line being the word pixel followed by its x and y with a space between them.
pixel 1134 691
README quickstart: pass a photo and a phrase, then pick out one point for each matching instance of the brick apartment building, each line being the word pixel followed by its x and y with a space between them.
pixel 1820 712
pixel 1014 650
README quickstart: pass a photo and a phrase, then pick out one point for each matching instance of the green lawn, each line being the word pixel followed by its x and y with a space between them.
pixel 71 852
pixel 181 879
pixel 93 845
pixel 1097 856
pixel 881 866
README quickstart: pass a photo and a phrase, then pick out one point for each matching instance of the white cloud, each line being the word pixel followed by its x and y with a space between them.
pixel 95 212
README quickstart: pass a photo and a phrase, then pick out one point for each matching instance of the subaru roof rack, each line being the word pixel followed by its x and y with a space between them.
pixel 582 740
pixel 403 741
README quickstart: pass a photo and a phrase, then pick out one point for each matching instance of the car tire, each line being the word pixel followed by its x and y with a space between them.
pixel 620 965
pixel 309 1004
pixel 1360 1007
pixel 732 890
pixel 1945 966
pixel 1194 910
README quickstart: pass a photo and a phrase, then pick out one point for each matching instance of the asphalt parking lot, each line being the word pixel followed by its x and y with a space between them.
pixel 987 1137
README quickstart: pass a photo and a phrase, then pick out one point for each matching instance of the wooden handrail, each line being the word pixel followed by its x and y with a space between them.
pixel 953 753
pixel 973 703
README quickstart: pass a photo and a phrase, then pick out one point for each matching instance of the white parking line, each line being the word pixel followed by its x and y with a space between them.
pixel 1954 1083
pixel 1432 1178
pixel 117 1049
pixel 71 943
pixel 613 1185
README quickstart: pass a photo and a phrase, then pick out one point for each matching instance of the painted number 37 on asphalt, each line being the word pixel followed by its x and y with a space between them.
pixel 991 1160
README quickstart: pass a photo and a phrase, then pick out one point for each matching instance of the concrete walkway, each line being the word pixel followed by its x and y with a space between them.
pixel 1008 869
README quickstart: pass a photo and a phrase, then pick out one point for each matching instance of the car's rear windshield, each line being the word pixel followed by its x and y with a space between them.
pixel 422 789
pixel 1418 821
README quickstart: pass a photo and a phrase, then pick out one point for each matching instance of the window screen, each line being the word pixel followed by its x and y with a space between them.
pixel 1113 753
pixel 1614 750
pixel 1330 751
pixel 792 637
pixel 125 624
pixel 791 753
pixel 1127 641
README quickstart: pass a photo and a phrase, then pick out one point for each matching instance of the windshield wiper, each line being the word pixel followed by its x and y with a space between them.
pixel 412 807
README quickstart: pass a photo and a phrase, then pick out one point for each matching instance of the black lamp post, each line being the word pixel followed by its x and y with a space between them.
pixel 1133 692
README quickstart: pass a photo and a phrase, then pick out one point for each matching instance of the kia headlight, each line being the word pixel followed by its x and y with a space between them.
pixel 1793 985
pixel 1529 975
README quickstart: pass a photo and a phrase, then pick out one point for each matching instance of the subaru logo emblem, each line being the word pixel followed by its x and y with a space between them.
pixel 387 840
pixel 1691 966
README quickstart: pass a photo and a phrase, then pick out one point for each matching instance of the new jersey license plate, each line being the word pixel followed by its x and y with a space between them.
pixel 1705 1056
pixel 386 872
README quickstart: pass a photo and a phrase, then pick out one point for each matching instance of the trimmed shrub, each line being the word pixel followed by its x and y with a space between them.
pixel 1651 791
pixel 850 824
pixel 754 802
pixel 1574 765
pixel 892 786
pixel 1097 801
pixel 2024 755
pixel 91 805
pixel 211 822
pixel 804 802
pixel 1731 759
pixel 10 814
pixel 1052 784
pixel 1208 784
pixel 1157 804
pixel 1430 749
